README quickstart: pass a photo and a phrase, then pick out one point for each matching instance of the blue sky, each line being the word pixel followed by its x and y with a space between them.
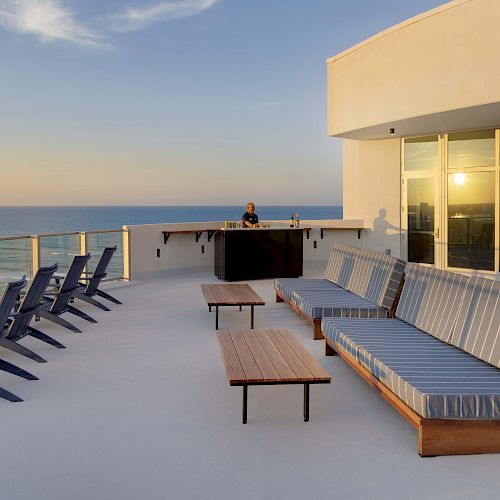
pixel 175 102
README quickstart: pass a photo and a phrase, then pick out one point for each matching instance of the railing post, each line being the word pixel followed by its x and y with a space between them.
pixel 126 253
pixel 83 245
pixel 35 254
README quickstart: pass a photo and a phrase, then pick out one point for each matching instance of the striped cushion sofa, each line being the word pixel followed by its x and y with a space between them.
pixel 437 362
pixel 357 283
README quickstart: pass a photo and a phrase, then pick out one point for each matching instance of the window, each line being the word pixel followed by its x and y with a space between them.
pixel 471 220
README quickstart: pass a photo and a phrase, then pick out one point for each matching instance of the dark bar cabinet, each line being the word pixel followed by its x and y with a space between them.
pixel 249 254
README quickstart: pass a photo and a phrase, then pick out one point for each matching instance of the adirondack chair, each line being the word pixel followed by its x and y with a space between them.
pixel 57 302
pixel 18 324
pixel 90 288
pixel 6 306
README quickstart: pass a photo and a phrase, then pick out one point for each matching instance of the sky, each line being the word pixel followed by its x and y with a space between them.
pixel 190 102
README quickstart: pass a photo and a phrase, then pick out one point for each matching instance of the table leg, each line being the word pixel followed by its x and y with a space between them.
pixel 245 403
pixel 251 316
pixel 216 317
pixel 209 308
pixel 240 307
pixel 306 402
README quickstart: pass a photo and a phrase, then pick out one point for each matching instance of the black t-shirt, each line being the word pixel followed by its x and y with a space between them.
pixel 253 219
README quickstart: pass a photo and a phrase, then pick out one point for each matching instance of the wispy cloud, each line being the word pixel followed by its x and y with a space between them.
pixel 49 20
pixel 137 18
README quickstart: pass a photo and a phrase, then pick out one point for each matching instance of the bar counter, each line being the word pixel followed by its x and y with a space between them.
pixel 258 253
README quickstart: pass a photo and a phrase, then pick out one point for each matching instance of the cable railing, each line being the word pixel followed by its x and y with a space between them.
pixel 23 255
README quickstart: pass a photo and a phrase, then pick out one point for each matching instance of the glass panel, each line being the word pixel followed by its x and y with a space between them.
pixel 15 260
pixel 471 220
pixel 471 149
pixel 421 153
pixel 96 242
pixel 60 249
pixel 421 220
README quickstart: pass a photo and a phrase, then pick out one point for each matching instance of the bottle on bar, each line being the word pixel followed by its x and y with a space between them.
pixel 291 220
pixel 297 220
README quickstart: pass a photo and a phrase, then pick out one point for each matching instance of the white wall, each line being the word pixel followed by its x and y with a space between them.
pixel 372 183
pixel 182 251
pixel 443 60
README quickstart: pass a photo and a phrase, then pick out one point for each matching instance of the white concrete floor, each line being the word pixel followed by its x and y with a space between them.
pixel 138 407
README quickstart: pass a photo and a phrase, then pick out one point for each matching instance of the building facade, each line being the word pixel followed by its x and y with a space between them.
pixel 418 109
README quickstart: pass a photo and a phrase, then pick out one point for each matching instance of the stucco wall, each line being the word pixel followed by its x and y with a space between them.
pixel 445 59
pixel 182 251
pixel 372 185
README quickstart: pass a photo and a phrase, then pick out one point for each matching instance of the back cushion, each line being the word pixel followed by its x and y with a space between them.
pixel 340 264
pixel 376 276
pixel 431 300
pixel 478 325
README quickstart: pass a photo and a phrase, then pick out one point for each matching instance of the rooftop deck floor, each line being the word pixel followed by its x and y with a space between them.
pixel 138 407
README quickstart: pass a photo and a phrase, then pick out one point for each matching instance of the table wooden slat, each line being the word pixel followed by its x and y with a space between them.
pixel 267 369
pixel 231 294
pixel 234 370
pixel 250 367
pixel 276 358
pixel 289 354
pixel 312 364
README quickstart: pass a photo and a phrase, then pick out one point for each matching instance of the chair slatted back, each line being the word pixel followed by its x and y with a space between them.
pixel 31 301
pixel 70 284
pixel 9 299
pixel 100 271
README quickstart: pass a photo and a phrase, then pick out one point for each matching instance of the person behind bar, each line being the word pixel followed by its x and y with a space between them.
pixel 250 218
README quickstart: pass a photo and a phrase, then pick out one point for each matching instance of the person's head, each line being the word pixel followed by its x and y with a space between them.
pixel 250 207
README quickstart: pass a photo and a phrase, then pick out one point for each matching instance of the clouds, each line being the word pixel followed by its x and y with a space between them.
pixel 137 18
pixel 51 20
pixel 47 19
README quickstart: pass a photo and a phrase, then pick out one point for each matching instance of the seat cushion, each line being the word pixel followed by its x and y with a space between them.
pixel 431 300
pixel 335 303
pixel 478 324
pixel 435 379
pixel 285 286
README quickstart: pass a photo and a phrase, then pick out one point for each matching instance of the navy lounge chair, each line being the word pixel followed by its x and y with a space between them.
pixel 17 325
pixel 58 302
pixel 6 305
pixel 91 288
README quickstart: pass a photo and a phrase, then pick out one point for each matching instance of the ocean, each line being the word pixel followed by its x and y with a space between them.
pixel 16 221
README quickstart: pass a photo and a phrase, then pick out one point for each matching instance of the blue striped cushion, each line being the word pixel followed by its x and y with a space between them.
pixel 376 276
pixel 335 303
pixel 431 299
pixel 287 285
pixel 341 264
pixel 433 378
pixel 478 325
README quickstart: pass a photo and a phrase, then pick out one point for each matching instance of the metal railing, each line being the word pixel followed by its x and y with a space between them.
pixel 23 255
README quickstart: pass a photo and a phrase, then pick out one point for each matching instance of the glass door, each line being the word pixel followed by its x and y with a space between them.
pixel 420 200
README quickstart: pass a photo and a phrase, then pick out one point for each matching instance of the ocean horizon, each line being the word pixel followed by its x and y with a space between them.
pixel 28 220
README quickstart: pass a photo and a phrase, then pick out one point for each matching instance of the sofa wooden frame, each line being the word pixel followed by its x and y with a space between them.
pixel 436 437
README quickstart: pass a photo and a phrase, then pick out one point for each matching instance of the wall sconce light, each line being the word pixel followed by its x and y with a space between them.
pixel 391 131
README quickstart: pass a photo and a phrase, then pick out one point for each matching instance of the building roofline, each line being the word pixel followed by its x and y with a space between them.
pixel 412 20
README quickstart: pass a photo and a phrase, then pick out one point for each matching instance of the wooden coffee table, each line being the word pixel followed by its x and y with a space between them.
pixel 231 295
pixel 268 357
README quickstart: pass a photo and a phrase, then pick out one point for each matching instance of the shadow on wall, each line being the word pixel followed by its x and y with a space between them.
pixel 384 234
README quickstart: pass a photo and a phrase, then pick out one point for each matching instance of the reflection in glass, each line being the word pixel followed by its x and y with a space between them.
pixel 421 153
pixel 471 220
pixel 421 220
pixel 471 149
